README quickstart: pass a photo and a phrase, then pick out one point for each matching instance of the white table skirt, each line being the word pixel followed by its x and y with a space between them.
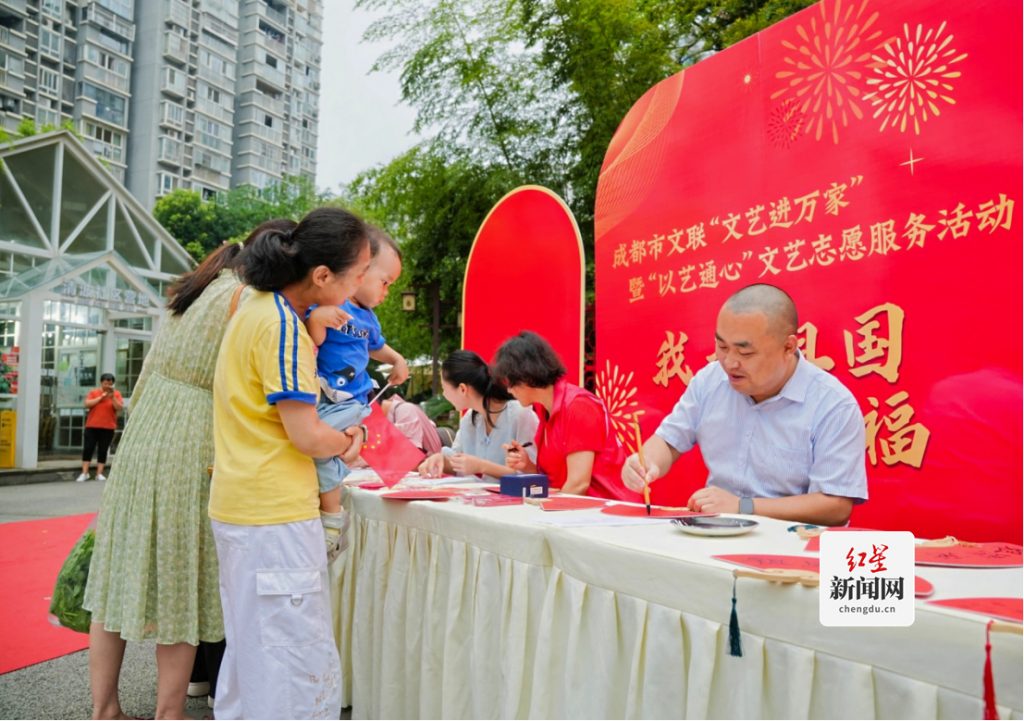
pixel 448 611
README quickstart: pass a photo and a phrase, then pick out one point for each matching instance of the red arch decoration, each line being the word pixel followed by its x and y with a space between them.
pixel 525 272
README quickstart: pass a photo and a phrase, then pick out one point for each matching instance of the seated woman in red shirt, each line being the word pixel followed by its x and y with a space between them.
pixel 576 445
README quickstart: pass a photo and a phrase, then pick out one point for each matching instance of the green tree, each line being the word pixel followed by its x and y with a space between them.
pixel 540 86
pixel 197 224
pixel 201 225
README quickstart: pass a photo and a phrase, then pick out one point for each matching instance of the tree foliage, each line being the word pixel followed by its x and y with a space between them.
pixel 513 92
pixel 201 225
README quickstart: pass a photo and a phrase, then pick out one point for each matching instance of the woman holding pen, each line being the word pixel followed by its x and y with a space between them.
pixel 491 420
pixel 576 445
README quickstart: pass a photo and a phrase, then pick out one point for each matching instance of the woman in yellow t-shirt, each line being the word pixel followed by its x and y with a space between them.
pixel 281 659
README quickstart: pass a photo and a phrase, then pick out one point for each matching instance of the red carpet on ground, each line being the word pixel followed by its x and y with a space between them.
pixel 31 554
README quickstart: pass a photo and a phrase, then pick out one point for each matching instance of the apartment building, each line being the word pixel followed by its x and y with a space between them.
pixel 69 60
pixel 200 94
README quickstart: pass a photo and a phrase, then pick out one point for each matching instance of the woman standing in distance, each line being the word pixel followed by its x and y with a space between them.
pixel 281 659
pixel 154 567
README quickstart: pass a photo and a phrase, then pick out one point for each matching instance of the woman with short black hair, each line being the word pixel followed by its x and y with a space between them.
pixel 576 444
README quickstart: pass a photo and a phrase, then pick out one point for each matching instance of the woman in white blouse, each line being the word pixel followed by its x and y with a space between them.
pixel 491 418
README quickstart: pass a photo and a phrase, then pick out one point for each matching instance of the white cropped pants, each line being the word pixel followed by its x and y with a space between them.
pixel 281 660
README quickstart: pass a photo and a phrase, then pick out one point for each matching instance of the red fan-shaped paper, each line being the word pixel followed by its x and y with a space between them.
pixel 970 555
pixel 1005 609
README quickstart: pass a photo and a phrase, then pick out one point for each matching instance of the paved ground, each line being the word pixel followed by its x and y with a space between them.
pixel 59 689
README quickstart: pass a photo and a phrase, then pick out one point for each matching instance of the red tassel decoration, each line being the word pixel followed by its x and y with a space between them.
pixel 990 686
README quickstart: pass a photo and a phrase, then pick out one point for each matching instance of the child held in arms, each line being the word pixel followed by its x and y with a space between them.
pixel 347 337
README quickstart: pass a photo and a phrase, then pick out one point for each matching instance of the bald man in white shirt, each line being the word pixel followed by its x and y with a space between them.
pixel 780 437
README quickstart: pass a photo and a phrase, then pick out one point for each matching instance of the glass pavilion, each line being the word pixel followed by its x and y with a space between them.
pixel 83 267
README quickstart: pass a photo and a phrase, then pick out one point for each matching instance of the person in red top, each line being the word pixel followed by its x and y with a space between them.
pixel 103 404
pixel 576 444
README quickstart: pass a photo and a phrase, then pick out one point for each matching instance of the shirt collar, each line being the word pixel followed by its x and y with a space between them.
pixel 558 396
pixel 798 383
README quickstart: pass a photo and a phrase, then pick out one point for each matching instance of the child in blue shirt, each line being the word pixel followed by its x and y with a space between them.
pixel 348 336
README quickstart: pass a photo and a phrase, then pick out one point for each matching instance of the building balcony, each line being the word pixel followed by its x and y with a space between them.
pixel 19 7
pixel 169 152
pixel 105 78
pixel 175 47
pixel 225 81
pixel 173 83
pixel 178 13
pixel 215 111
pixel 215 26
pixel 97 15
pixel 11 84
pixel 262 71
pixel 278 16
pixel 104 150
pixel 12 40
pixel 210 176
pixel 261 131
pixel 272 105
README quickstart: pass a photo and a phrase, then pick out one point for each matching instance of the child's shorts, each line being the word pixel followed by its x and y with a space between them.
pixel 330 472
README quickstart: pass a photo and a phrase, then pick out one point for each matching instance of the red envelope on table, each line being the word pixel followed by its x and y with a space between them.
pixel 387 451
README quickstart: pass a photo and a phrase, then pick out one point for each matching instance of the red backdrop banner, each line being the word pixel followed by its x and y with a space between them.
pixel 525 272
pixel 865 157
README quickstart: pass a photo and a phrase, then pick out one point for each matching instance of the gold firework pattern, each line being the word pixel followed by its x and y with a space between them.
pixel 912 79
pixel 617 391
pixel 785 124
pixel 826 67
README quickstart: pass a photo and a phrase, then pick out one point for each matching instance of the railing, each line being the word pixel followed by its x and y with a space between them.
pixel 277 16
pixel 271 76
pixel 175 47
pixel 104 18
pixel 170 151
pixel 262 100
pixel 12 39
pixel 176 86
pixel 177 12
pixel 215 111
pixel 218 27
pixel 261 131
pixel 105 78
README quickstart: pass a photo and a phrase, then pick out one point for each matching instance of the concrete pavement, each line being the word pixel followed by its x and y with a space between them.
pixel 59 689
